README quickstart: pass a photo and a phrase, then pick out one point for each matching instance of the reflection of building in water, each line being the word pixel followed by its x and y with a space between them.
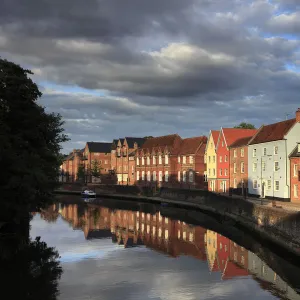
pixel 268 279
pixel 211 250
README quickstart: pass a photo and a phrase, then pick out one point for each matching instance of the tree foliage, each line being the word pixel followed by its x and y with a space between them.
pixel 96 169
pixel 245 125
pixel 30 141
pixel 81 172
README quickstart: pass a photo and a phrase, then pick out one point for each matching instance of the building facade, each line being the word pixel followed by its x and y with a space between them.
pixel 156 161
pixel 227 137
pixel 210 159
pixel 190 163
pixel 295 174
pixel 69 168
pixel 268 158
pixel 238 158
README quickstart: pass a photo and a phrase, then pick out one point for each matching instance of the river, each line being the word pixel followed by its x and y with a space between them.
pixel 121 250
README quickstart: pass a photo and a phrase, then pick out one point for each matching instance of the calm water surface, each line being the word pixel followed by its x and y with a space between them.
pixel 115 250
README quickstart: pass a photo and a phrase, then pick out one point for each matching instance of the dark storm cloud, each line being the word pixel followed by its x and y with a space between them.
pixel 163 66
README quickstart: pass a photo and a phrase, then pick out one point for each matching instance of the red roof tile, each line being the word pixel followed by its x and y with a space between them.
pixel 161 142
pixel 190 145
pixel 241 142
pixel 273 132
pixel 233 134
pixel 215 135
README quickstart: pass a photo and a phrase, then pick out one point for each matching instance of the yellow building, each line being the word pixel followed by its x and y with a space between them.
pixel 211 159
pixel 210 239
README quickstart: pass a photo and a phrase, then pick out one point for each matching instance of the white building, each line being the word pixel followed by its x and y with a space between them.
pixel 268 159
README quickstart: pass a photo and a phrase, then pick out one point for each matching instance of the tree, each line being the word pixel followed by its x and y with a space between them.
pixel 30 141
pixel 245 125
pixel 96 169
pixel 81 172
pixel 148 137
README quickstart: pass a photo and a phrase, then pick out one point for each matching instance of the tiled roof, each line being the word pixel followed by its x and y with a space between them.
pixel 99 147
pixel 215 135
pixel 190 145
pixel 233 134
pixel 132 140
pixel 161 141
pixel 295 152
pixel 241 142
pixel 273 132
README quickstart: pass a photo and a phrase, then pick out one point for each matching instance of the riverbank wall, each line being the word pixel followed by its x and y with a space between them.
pixel 277 225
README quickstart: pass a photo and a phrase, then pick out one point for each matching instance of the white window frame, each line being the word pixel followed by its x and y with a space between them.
pixel 296 190
pixel 214 159
pixel 220 172
pixel 138 175
pixel 275 185
pixel 242 152
pixel 255 184
pixel 184 159
pixel 234 168
pixel 214 172
pixel 184 176
pixel 264 151
pixel 160 176
pixel 269 184
pixel 225 172
pixel 208 159
pixel 159 159
pixel 143 175
pixel 226 158
pixel 242 167
pixel 254 152
pixel 137 161
pixel 254 167
pixel 191 159
pixel 148 160
pixel 191 176
pixel 263 166
pixel 234 153
pixel 234 183
pixel 148 176
pixel 166 159
pixel 166 176
pixel 154 175
pixel 143 160
pixel 295 170
pixel 179 176
pixel 276 166
pixel 154 160
pixel 276 150
pixel 178 159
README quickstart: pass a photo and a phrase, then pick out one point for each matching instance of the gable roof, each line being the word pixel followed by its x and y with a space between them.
pixel 241 142
pixel 272 132
pixel 99 147
pixel 161 141
pixel 215 136
pixel 233 134
pixel 295 152
pixel 132 140
pixel 190 145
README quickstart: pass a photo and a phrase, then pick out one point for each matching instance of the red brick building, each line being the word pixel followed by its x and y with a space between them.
pixel 113 156
pixel 238 159
pixel 100 152
pixel 227 137
pixel 125 159
pixel 190 163
pixel 156 161
pixel 295 174
pixel 70 166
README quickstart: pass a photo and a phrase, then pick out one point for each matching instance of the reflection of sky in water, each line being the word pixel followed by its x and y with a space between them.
pixel 99 269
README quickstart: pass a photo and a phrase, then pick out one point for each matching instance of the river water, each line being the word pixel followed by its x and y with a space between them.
pixel 121 250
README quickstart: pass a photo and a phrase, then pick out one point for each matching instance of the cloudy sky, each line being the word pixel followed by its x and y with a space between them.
pixel 116 68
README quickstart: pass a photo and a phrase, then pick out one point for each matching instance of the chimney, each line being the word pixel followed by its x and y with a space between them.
pixel 298 115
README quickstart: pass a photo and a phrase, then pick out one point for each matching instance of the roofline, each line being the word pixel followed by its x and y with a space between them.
pixel 221 130
pixel 291 128
pixel 290 155
pixel 210 134
pixel 254 136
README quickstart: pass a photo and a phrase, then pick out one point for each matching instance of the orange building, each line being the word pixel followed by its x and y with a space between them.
pixel 70 166
pixel 295 174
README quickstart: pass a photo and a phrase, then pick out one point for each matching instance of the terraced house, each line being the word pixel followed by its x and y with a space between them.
pixel 268 157
pixel 295 174
pixel 210 158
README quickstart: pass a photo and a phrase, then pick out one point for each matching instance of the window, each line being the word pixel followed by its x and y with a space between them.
pixel 276 185
pixel 160 176
pixel 295 190
pixel 137 161
pixel 276 166
pixel 242 167
pixel 214 172
pixel 242 152
pixel 166 159
pixel 226 158
pixel 295 170
pixel 209 159
pixel 148 160
pixel 125 168
pixel 191 176
pixel 234 167
pixel 264 151
pixel 214 158
pixel 143 175
pixel 184 159
pixel 148 176
pixel 225 172
pixel 179 177
pixel 263 165
pixel 179 159
pixel 254 153
pixel 138 175
pixel 254 167
pixel 255 184
pixel 154 160
pixel 143 160
pixel 106 162
pixel 184 176
pixel 154 175
pixel 221 172
pixel 209 172
pixel 269 185
pixel 211 145
pixel 234 153
pixel 166 176
pixel 191 159
pixel 160 159
pixel 275 150
pixel 220 159
pixel 234 183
